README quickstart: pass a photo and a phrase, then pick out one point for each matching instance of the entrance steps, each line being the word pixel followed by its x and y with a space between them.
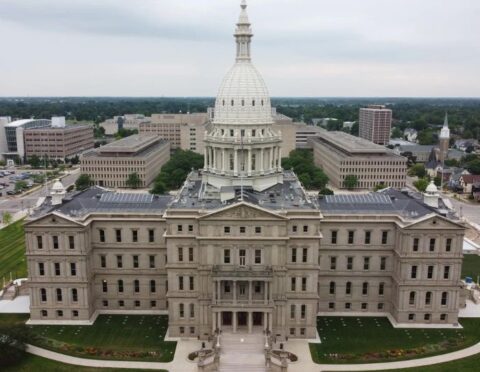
pixel 242 352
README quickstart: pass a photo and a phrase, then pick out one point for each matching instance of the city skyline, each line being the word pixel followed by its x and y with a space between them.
pixel 302 48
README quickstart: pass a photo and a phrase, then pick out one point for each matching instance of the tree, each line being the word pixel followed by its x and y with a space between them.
pixel 7 218
pixel 426 137
pixel 38 178
pixel 325 191
pixel 35 161
pixel 417 170
pixel 133 180
pixel 380 186
pixel 396 133
pixel 75 160
pixel 437 181
pixel 83 182
pixel 20 185
pixel 350 181
pixel 451 162
pixel 474 166
pixel 12 343
pixel 421 184
pixel 159 188
pixel 301 161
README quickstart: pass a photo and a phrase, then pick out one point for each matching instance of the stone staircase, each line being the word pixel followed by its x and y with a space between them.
pixel 242 352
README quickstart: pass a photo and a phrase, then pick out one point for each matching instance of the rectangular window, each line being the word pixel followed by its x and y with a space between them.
pixel 381 289
pixel 333 263
pixel 364 306
pixel 351 236
pixel 226 229
pixel 39 242
pixel 333 237
pixel 384 237
pixel 180 283
pixel 258 256
pixel 43 294
pixel 368 236
pixel 190 228
pixel 118 235
pixel 242 255
pixel 103 261
pixel 383 263
pixel 242 229
pixel 179 228
pixel 380 306
pixel 432 245
pixel 258 230
pixel 104 286
pixel 366 263
pixel 292 311
pixel 151 259
pixel 135 261
pixel 294 228
pixel 71 242
pixel 365 289
pixel 105 303
pixel 41 268
pixel 119 261
pixel 56 266
pixel 305 228
pixel 120 286
pixel 446 272
pixel 294 255
pixel 348 305
pixel 331 305
pixel 191 282
pixel 413 272
pixel 303 311
pixel 121 303
pixel 293 282
pixel 137 303
pixel 55 241
pixel 136 286
pixel 292 331
pixel 73 269
pixel 153 303
pixel 226 256
pixel 190 254
pixel 304 255
pixel 134 236
pixel 59 295
pixel 430 272
pixel 101 235
pixel 153 286
pixel 349 263
pixel 415 245
pixel 304 284
pixel 448 244
pixel 180 254
pixel 151 235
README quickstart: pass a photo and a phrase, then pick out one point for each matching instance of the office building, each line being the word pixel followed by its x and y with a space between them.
pixel 375 123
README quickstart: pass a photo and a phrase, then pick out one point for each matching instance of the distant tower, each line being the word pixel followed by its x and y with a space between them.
pixel 444 140
pixel 375 123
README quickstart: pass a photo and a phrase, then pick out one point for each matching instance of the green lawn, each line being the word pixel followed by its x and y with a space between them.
pixel 471 266
pixel 12 251
pixel 125 337
pixel 470 364
pixel 39 364
pixel 373 339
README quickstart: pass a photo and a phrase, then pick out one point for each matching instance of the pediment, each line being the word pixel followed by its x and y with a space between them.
pixel 243 211
pixel 53 220
pixel 435 222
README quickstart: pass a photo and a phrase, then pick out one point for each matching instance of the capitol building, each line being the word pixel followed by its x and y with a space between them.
pixel 242 246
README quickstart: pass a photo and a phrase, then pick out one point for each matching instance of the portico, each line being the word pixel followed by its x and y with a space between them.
pixel 244 320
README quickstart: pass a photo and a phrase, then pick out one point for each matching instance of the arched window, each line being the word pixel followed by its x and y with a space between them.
pixel 444 298
pixel 192 310
pixel 43 294
pixel 181 310
pixel 231 102
pixel 223 102
pixel 332 287
pixel 365 288
pixel 411 299
pixel 262 102
pixel 348 288
pixel 428 298
pixel 120 285
pixel 253 102
pixel 74 295
pixel 136 285
pixel 153 286
pixel 243 102
pixel 59 294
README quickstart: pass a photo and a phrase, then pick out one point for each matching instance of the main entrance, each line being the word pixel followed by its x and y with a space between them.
pixel 242 321
pixel 257 318
pixel 226 318
pixel 242 317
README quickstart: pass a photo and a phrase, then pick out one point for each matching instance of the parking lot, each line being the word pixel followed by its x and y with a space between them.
pixel 9 177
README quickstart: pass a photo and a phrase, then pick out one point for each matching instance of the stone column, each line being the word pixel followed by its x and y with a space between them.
pixel 249 167
pixel 265 287
pixel 261 160
pixel 224 166
pixel 234 321
pixel 270 291
pixel 219 320
pixel 214 150
pixel 279 151
pixel 265 321
pixel 270 322
pixel 219 290
pixel 250 323
pixel 270 160
pixel 234 291
pixel 214 292
pixel 214 323
pixel 235 162
pixel 250 292
pixel 205 154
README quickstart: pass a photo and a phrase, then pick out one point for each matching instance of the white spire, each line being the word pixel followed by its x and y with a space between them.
pixel 243 34
pixel 445 132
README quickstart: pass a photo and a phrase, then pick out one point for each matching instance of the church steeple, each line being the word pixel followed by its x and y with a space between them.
pixel 445 132
pixel 243 34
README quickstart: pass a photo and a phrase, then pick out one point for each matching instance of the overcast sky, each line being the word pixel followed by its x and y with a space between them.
pixel 184 47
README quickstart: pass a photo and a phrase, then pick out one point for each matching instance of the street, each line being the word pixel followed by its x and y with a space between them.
pixel 14 204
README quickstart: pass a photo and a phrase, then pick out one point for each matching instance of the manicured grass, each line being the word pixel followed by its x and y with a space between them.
pixel 12 251
pixel 122 337
pixel 470 364
pixel 372 339
pixel 36 363
pixel 471 266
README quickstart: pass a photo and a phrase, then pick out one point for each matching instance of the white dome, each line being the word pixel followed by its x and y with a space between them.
pixel 431 188
pixel 243 97
pixel 58 186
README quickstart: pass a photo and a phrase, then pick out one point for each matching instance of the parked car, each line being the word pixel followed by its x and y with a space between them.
pixel 11 192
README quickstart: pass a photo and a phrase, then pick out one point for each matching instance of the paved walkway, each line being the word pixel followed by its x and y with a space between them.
pixel 299 347
pixel 21 304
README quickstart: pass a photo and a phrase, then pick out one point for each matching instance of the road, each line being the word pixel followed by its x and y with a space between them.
pixel 17 203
